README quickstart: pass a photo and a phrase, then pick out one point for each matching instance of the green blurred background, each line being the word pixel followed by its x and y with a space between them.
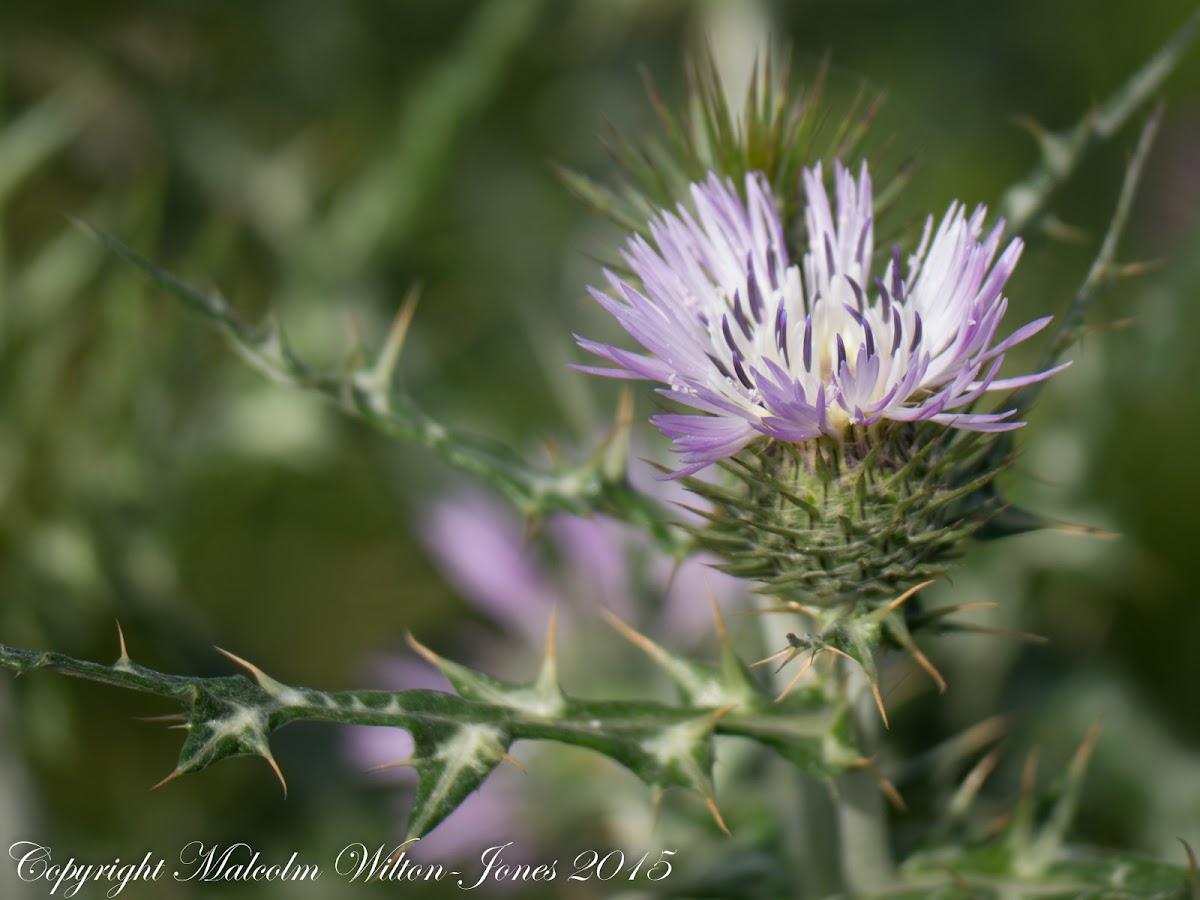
pixel 318 159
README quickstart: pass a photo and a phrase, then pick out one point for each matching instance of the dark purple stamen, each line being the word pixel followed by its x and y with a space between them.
pixel 721 367
pixel 741 373
pixel 728 334
pixel 740 315
pixel 781 332
pixel 897 330
pixel 916 333
pixel 808 343
pixel 753 294
pixel 841 353
pixel 859 297
pixel 772 267
pixel 883 293
pixel 862 242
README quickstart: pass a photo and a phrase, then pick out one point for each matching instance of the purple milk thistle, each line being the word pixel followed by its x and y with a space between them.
pixel 761 346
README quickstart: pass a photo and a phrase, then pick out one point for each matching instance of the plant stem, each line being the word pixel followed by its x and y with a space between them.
pixel 866 855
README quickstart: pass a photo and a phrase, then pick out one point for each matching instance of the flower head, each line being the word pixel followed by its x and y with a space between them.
pixel 760 345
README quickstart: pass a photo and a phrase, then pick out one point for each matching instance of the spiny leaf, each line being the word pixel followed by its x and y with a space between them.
pixel 780 128
pixel 451 762
pixel 1062 151
pixel 459 740
pixel 698 685
pixel 1052 835
pixel 368 392
pixel 987 871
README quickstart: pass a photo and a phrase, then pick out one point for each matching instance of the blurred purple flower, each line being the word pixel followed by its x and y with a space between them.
pixel 762 346
pixel 480 545
pixel 482 549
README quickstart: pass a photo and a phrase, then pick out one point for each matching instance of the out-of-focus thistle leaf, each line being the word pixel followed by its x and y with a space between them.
pixel 44 129
pixel 1103 271
pixel 367 389
pixel 1062 151
pixel 780 129
pixel 1032 857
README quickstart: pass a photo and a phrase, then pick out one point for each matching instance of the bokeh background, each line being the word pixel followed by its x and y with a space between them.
pixel 319 159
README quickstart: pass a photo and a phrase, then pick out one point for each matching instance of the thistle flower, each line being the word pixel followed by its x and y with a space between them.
pixel 762 346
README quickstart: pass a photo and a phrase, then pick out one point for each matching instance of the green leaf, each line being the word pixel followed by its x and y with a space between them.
pixel 459 739
pixel 591 486
pixel 451 762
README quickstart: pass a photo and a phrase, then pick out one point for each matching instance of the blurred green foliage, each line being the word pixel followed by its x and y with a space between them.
pixel 318 159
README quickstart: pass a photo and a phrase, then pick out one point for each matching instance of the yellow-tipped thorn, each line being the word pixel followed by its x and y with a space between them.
pixel 398 764
pixel 796 679
pixel 1193 868
pixel 552 636
pixel 718 617
pixel 1067 232
pixel 611 455
pixel 354 334
pixel 1025 637
pixel 867 764
pixel 124 657
pixel 775 656
pixel 979 774
pixel 716 814
pixel 1081 756
pixel 553 450
pixel 531 529
pixel 963 607
pixel 184 727
pixel 1086 530
pixel 509 759
pixel 671 576
pixel 624 417
pixel 985 732
pixel 1029 775
pixel 723 711
pixel 907 594
pixel 656 796
pixel 930 669
pixel 275 768
pixel 623 421
pixel 1138 267
pixel 795 652
pixel 264 680
pixel 961 802
pixel 889 789
pixel 1029 125
pixel 169 717
pixel 422 651
pixel 879 703
pixel 634 637
pixel 390 356
pixel 168 779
